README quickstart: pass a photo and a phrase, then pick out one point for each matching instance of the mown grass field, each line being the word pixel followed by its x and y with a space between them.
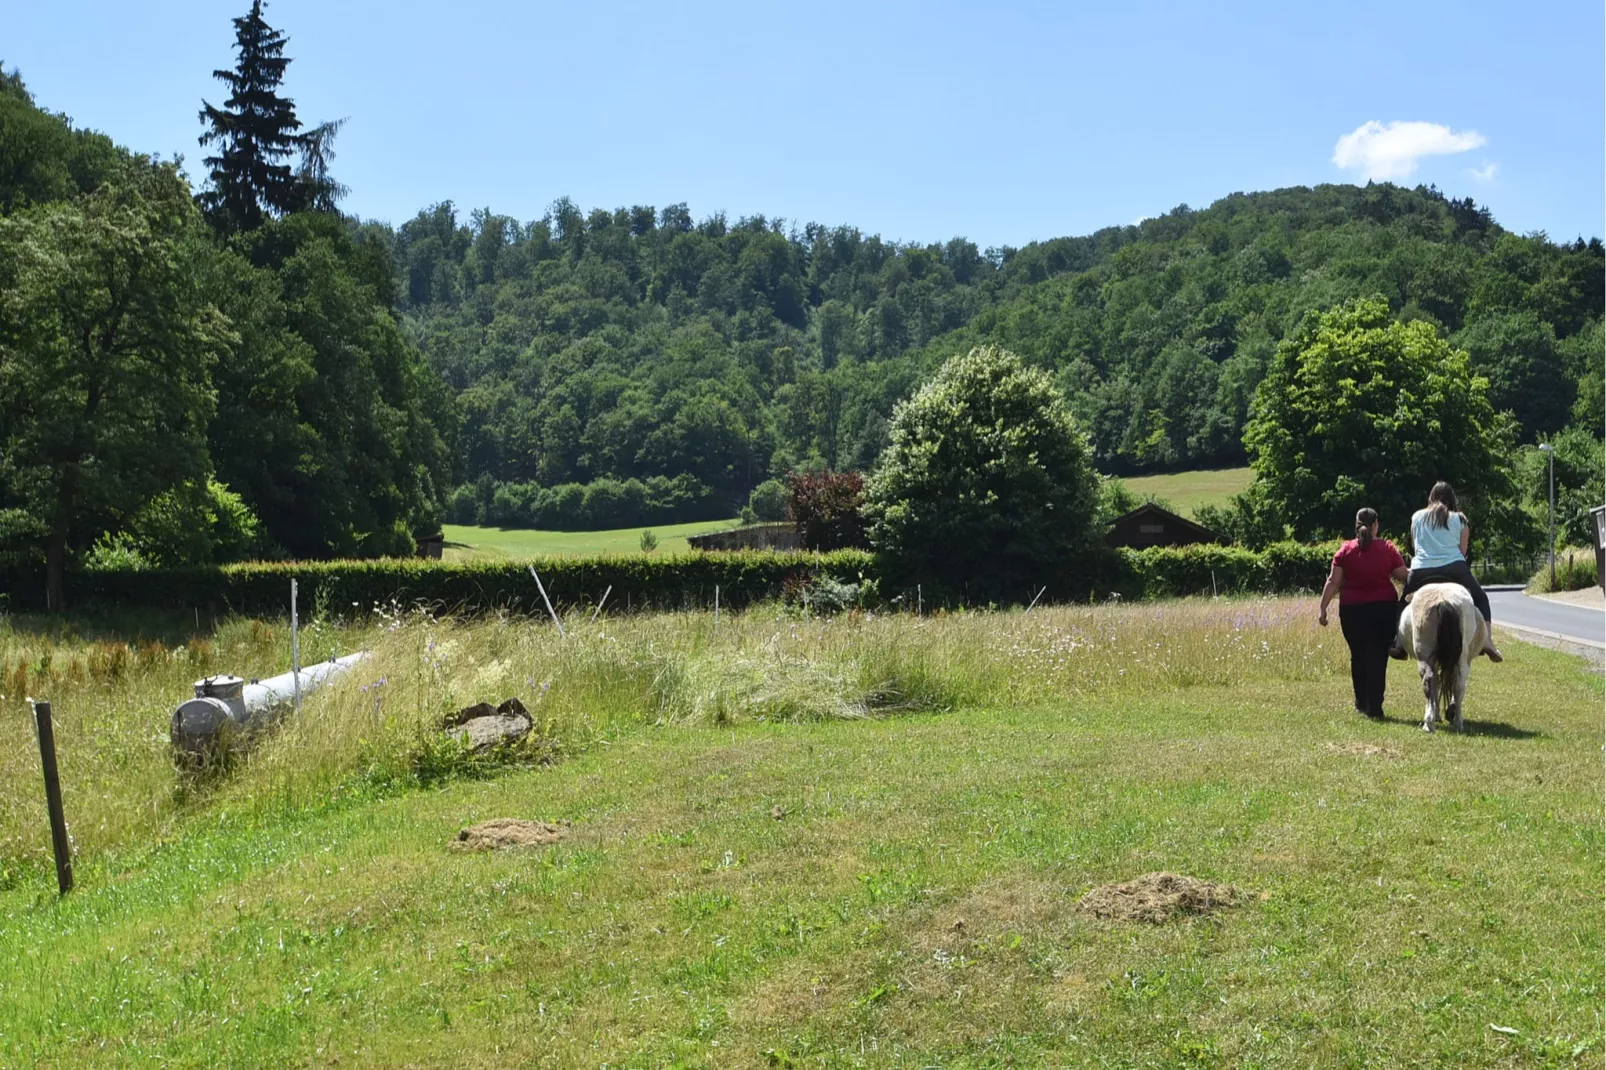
pixel 817 843
pixel 466 543
pixel 1186 491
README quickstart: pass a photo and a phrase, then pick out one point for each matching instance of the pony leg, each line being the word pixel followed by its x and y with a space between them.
pixel 1460 696
pixel 1430 690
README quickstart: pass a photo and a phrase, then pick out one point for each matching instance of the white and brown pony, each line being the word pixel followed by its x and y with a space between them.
pixel 1443 630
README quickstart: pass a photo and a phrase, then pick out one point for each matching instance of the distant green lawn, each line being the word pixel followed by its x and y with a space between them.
pixel 1186 491
pixel 464 542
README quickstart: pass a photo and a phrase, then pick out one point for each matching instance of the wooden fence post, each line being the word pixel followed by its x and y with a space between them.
pixel 58 821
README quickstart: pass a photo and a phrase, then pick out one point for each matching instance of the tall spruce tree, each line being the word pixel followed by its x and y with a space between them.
pixel 255 131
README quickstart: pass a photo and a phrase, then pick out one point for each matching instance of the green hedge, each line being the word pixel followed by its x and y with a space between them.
pixel 1177 572
pixel 669 581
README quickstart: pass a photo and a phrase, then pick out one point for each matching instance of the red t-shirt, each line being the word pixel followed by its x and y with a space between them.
pixel 1366 572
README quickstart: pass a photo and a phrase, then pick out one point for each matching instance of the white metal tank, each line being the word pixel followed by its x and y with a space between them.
pixel 226 708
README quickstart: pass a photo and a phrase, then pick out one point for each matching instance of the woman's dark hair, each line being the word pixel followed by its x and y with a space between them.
pixel 1441 503
pixel 1364 519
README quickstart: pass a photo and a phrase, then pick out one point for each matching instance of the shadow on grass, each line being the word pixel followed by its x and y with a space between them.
pixel 1500 730
pixel 1492 729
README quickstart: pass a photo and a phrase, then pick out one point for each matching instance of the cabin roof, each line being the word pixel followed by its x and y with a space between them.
pixel 1150 511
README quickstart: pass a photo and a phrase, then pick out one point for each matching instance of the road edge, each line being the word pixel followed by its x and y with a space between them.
pixel 1591 651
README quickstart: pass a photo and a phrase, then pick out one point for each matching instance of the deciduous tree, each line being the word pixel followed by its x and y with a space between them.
pixel 1360 409
pixel 106 345
pixel 987 482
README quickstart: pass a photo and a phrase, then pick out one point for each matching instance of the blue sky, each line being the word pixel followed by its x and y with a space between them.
pixel 999 122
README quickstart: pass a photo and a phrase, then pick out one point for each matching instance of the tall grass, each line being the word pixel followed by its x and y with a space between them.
pixel 1575 571
pixel 113 700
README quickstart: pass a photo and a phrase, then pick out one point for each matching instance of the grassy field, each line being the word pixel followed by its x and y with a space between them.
pixel 468 543
pixel 814 843
pixel 1186 491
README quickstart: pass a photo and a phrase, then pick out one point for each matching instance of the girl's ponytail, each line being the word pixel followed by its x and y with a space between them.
pixel 1364 519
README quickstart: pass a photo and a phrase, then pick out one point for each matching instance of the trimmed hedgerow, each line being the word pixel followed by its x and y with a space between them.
pixel 671 581
pixel 1177 572
pixel 667 582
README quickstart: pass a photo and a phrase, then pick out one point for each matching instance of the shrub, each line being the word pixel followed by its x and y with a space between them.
pixel 462 506
pixel 828 508
pixel 1247 519
pixel 1575 570
pixel 770 501
pixel 195 523
pixel 986 482
pixel 1115 500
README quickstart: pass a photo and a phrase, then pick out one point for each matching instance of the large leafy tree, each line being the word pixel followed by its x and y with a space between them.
pixel 1358 409
pixel 328 423
pixel 1580 481
pixel 106 345
pixel 1518 354
pixel 42 158
pixel 986 485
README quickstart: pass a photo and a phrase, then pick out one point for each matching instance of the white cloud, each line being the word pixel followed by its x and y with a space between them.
pixel 1392 150
pixel 1485 173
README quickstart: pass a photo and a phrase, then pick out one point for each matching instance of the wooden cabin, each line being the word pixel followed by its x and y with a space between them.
pixel 431 545
pixel 1150 525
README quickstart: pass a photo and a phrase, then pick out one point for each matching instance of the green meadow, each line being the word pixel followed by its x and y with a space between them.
pixel 467 543
pixel 857 841
pixel 1186 491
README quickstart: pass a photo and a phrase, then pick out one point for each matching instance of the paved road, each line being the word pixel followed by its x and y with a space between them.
pixel 1574 622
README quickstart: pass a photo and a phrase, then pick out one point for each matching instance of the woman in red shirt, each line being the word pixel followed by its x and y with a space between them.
pixel 1363 575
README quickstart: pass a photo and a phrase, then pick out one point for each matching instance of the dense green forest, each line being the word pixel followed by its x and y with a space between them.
pixel 206 367
pixel 637 342
pixel 191 377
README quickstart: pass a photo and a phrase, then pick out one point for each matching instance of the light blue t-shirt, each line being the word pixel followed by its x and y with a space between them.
pixel 1434 546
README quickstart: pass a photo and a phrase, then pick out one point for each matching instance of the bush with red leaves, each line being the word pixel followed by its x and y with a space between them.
pixel 828 508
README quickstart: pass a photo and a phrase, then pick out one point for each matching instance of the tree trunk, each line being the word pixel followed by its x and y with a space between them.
pixel 56 546
pixel 55 560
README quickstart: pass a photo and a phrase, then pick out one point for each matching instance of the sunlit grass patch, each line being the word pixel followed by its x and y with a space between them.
pixel 113 700
pixel 755 874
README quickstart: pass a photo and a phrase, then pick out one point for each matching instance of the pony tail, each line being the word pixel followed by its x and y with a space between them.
pixel 1441 503
pixel 1364 519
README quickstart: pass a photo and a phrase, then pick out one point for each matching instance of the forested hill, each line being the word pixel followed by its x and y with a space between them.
pixel 237 350
pixel 640 342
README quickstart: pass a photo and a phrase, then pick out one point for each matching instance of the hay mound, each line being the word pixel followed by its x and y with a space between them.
pixel 1365 750
pixel 1157 898
pixel 500 832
